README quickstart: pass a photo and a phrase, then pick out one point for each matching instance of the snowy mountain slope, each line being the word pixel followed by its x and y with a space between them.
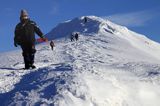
pixel 102 26
pixel 106 68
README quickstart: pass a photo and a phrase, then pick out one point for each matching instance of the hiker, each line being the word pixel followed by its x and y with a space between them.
pixel 85 19
pixel 52 44
pixel 76 36
pixel 25 37
pixel 72 37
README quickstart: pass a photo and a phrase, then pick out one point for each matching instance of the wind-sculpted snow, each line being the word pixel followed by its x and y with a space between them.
pixel 103 68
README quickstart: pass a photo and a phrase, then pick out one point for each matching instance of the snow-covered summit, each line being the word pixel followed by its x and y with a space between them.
pixel 100 26
pixel 93 25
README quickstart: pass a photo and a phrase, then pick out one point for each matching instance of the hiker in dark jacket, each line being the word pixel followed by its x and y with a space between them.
pixel 52 44
pixel 72 37
pixel 85 19
pixel 76 36
pixel 25 37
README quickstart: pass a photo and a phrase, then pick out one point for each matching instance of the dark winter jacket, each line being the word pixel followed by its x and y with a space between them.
pixel 76 36
pixel 25 33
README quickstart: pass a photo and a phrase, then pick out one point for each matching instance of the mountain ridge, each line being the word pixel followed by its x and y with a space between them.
pixel 97 25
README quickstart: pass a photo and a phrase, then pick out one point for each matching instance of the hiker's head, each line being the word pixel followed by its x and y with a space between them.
pixel 24 15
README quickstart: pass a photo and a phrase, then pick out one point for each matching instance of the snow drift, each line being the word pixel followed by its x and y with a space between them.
pixel 109 66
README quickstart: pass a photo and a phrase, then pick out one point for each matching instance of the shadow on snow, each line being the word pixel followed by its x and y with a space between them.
pixel 43 81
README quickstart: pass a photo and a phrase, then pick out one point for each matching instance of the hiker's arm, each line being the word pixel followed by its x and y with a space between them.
pixel 38 31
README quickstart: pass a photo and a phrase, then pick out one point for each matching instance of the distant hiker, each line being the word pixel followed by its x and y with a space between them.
pixel 85 19
pixel 25 37
pixel 52 44
pixel 76 36
pixel 72 37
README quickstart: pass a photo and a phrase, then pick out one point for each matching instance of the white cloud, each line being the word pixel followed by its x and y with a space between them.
pixel 133 19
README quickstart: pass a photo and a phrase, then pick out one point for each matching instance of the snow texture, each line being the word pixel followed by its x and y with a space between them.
pixel 109 66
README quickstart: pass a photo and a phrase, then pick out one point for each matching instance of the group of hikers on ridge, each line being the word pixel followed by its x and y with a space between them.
pixel 25 37
pixel 74 37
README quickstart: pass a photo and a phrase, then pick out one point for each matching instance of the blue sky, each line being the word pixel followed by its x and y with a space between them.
pixel 142 16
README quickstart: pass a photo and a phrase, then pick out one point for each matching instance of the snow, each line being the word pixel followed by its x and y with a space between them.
pixel 109 66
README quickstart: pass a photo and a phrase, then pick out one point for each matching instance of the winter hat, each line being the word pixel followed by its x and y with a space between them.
pixel 24 14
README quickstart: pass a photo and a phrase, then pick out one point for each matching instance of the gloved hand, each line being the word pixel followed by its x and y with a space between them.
pixel 45 39
pixel 15 44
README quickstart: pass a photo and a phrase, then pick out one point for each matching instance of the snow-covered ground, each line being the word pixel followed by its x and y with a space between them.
pixel 109 66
